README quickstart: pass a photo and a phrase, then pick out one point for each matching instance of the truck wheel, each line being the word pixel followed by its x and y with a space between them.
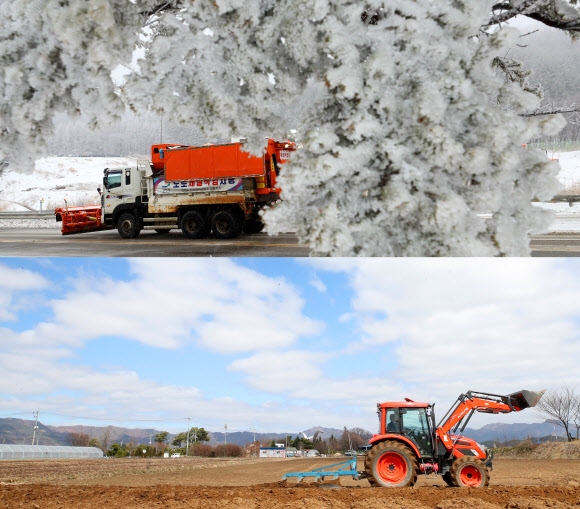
pixel 253 226
pixel 127 226
pixel 193 225
pixel 225 225
pixel 467 472
pixel 392 465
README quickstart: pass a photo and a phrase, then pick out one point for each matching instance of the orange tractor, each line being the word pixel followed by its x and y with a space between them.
pixel 409 442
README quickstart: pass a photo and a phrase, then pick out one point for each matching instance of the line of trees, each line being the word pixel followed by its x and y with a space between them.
pixel 197 442
pixel 121 450
pixel 349 439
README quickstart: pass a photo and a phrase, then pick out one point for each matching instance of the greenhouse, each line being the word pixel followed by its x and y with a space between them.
pixel 38 452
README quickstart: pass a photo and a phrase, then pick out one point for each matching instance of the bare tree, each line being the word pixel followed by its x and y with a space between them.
pixel 78 439
pixel 351 440
pixel 563 406
pixel 576 416
pixel 361 432
pixel 106 438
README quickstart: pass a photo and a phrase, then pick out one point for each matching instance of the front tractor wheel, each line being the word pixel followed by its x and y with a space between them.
pixel 469 472
pixel 127 226
pixel 392 465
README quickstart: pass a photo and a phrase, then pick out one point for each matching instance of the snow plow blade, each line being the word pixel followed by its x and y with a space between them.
pixel 80 219
pixel 524 399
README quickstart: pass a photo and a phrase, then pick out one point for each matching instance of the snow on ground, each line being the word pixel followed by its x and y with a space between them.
pixel 76 179
pixel 55 179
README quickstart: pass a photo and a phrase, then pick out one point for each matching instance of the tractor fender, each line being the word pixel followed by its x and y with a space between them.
pixel 375 439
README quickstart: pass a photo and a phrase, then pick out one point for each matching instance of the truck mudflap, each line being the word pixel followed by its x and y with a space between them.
pixel 80 219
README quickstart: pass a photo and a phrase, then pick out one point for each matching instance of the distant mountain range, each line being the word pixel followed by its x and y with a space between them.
pixel 20 431
pixel 517 431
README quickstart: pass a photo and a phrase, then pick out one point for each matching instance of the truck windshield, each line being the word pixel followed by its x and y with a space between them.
pixel 112 179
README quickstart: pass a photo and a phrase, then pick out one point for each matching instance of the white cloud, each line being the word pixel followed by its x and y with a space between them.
pixel 282 372
pixel 317 283
pixel 14 281
pixel 226 307
pixel 457 324
pixel 430 329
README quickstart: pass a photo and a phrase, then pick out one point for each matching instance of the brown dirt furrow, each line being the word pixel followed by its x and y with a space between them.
pixel 115 497
pixel 198 483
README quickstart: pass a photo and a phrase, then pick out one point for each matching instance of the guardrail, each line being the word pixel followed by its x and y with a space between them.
pixel 570 198
pixel 49 214
pixel 28 214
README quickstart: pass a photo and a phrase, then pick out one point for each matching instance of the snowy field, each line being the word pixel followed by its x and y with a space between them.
pixel 75 179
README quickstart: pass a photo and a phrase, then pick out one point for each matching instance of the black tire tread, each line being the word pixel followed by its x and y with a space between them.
pixel 459 463
pixel 379 449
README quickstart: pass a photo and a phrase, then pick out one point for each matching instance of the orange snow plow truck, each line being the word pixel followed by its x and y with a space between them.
pixel 213 188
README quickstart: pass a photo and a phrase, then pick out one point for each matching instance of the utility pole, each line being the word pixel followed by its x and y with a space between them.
pixel 226 434
pixel 187 440
pixel 35 427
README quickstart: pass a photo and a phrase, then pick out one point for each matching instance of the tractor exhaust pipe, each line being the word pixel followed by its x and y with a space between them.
pixel 523 399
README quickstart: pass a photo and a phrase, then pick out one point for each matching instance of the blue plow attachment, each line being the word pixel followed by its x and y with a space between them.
pixel 344 468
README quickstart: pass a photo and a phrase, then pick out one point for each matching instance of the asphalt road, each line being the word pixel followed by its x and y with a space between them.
pixel 556 244
pixel 49 242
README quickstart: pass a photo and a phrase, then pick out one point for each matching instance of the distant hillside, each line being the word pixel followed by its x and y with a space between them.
pixel 19 431
pixel 115 433
pixel 517 431
pixel 246 437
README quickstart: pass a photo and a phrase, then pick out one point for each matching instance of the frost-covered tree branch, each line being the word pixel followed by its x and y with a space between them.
pixel 561 14
pixel 551 110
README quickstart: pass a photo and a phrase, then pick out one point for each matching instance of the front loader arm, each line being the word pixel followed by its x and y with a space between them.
pixel 471 402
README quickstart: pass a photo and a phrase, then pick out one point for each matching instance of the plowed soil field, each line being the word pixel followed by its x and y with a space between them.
pixel 255 483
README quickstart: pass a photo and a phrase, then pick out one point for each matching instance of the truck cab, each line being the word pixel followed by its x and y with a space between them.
pixel 124 191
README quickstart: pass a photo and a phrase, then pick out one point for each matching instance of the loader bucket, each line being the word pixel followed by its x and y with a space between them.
pixel 524 399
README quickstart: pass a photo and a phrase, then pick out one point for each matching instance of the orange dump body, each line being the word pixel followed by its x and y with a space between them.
pixel 80 219
pixel 217 161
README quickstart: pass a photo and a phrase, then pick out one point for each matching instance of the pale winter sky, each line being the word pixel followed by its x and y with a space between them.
pixel 278 345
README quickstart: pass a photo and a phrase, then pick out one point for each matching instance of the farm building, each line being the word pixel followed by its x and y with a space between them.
pixel 36 452
pixel 272 452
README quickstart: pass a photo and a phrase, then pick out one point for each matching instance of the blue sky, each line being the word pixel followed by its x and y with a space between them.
pixel 277 344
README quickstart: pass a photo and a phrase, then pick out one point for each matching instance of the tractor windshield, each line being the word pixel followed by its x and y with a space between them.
pixel 416 427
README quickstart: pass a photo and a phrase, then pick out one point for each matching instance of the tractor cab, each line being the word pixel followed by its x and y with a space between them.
pixel 413 421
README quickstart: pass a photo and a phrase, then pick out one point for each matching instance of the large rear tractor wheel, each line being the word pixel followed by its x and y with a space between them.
pixel 194 225
pixel 467 472
pixel 226 225
pixel 127 226
pixel 392 465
